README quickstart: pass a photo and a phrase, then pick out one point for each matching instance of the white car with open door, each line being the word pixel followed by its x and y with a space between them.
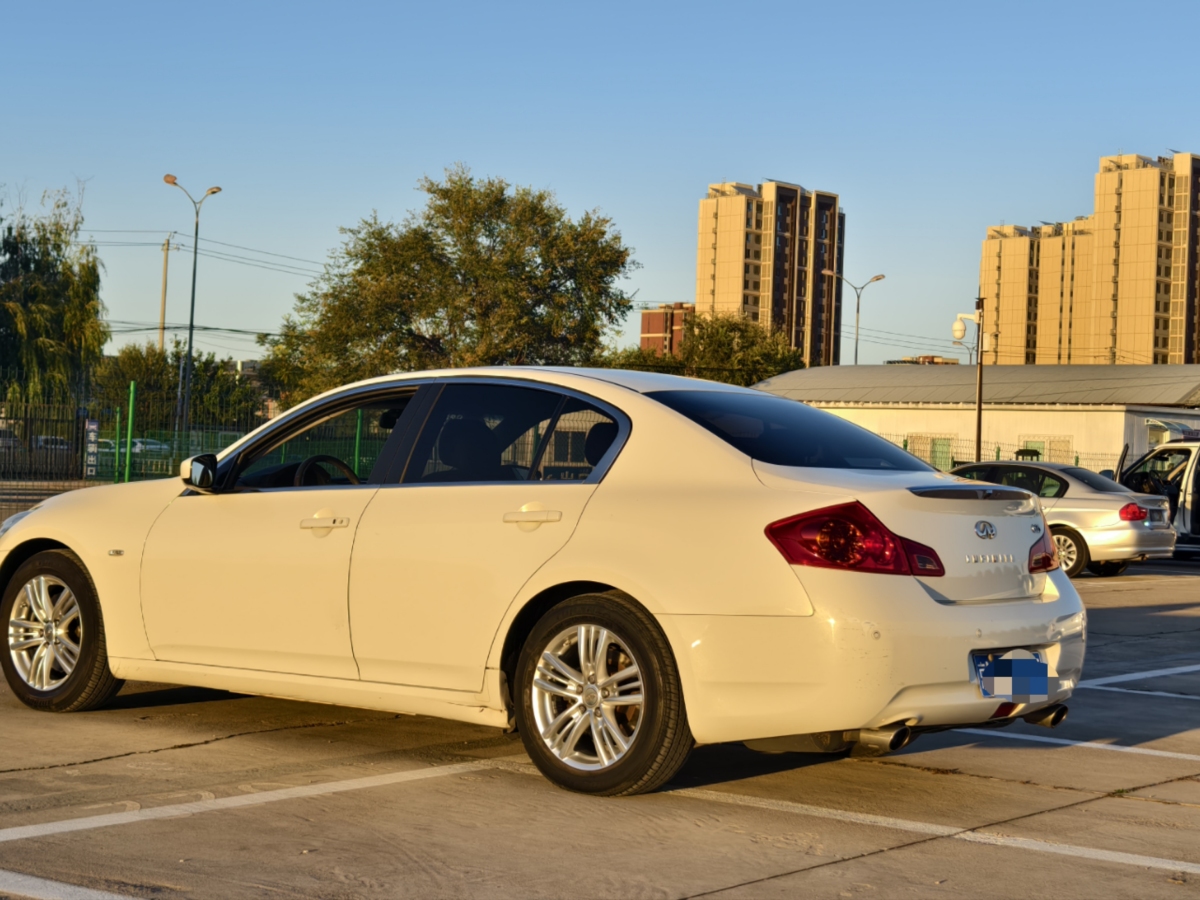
pixel 618 564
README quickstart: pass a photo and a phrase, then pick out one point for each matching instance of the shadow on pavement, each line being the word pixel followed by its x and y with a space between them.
pixel 720 763
pixel 144 696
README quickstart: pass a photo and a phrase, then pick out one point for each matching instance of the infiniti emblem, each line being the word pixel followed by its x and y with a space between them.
pixel 985 530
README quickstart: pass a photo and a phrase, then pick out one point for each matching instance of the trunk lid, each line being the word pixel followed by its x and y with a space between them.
pixel 982 533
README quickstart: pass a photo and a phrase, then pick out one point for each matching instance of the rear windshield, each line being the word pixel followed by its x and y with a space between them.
pixel 1094 481
pixel 787 433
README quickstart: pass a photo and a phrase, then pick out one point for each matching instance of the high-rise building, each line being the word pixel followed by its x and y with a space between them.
pixel 1116 287
pixel 761 252
pixel 662 328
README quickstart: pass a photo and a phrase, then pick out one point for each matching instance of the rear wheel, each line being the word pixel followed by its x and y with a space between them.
pixel 599 707
pixel 1108 569
pixel 1072 550
pixel 56 659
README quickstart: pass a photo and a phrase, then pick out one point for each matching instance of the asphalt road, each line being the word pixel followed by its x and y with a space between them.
pixel 180 792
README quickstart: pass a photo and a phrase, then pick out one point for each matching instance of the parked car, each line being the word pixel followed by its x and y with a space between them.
pixel 150 446
pixel 9 440
pixel 619 564
pixel 1171 471
pixel 51 442
pixel 1097 523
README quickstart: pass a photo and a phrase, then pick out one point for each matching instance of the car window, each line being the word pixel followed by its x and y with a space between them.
pixel 1038 481
pixel 491 433
pixel 355 437
pixel 787 433
pixel 976 473
pixel 1095 481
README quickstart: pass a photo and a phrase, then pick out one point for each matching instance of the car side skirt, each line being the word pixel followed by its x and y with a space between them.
pixel 460 706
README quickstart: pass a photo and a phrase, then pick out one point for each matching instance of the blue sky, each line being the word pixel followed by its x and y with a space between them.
pixel 931 121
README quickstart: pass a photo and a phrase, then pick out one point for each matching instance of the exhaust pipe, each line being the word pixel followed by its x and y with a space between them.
pixel 1050 717
pixel 884 740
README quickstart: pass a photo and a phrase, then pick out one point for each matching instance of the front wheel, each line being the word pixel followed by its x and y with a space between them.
pixel 600 707
pixel 1072 551
pixel 56 660
pixel 1108 569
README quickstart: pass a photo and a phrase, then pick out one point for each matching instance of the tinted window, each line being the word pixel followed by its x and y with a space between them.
pixel 496 433
pixel 355 436
pixel 1037 481
pixel 1095 482
pixel 978 473
pixel 787 433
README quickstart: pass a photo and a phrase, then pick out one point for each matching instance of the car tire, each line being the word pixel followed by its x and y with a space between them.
pixel 573 709
pixel 65 669
pixel 1072 550
pixel 1108 569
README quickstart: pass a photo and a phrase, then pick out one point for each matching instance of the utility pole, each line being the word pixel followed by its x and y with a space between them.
pixel 162 310
pixel 979 380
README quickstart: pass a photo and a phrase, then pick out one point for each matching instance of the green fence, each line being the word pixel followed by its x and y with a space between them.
pixel 47 448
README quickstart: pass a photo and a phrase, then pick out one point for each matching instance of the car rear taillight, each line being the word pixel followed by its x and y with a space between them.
pixel 1043 555
pixel 1131 512
pixel 850 537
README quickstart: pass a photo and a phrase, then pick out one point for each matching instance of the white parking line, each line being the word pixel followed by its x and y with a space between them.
pixel 950 831
pixel 1088 745
pixel 1138 676
pixel 239 801
pixel 44 889
pixel 1117 690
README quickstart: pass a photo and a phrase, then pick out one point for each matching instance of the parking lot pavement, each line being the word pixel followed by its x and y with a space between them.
pixel 181 792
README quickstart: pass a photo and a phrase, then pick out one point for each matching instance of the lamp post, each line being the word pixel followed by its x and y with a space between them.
pixel 857 302
pixel 959 330
pixel 185 406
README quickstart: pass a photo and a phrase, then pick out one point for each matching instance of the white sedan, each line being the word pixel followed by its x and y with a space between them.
pixel 618 564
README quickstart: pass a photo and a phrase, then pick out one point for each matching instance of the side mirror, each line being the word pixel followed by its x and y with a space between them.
pixel 200 472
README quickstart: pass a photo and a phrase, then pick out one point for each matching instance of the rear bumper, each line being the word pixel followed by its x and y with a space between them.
pixel 878 651
pixel 1130 540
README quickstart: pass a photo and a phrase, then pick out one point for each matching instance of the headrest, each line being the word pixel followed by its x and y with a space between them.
pixel 468 445
pixel 599 438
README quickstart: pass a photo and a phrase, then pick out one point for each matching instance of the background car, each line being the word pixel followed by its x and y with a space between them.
pixel 621 564
pixel 1097 524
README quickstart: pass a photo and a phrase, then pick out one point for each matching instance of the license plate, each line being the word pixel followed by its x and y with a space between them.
pixel 1021 676
pixel 1156 515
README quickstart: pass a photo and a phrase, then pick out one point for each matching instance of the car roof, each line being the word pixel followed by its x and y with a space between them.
pixel 1019 462
pixel 641 382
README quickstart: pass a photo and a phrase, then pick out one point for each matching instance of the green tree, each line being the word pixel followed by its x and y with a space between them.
pixel 219 397
pixel 485 274
pixel 724 347
pixel 51 317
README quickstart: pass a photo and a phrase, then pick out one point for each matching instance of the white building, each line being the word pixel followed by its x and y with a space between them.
pixel 1078 414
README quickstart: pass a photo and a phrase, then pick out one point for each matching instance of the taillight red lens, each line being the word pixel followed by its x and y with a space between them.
pixel 1043 555
pixel 850 537
pixel 1131 512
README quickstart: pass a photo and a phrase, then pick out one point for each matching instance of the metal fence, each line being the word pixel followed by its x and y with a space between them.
pixel 48 448
pixel 944 452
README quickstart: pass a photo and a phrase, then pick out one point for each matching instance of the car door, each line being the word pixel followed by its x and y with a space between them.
pixel 255 576
pixel 492 488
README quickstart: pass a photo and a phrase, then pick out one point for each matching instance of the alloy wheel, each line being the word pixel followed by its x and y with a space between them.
pixel 45 633
pixel 587 697
pixel 1068 551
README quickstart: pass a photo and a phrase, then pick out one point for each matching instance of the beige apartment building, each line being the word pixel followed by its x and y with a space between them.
pixel 760 253
pixel 1116 287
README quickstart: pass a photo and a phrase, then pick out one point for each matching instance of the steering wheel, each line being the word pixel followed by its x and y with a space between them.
pixel 302 469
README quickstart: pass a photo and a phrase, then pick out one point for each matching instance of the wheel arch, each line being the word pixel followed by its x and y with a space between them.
pixel 18 555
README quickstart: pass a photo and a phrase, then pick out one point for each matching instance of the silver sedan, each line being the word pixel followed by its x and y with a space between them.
pixel 1097 524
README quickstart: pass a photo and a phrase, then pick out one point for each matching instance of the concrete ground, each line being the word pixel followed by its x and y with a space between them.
pixel 181 792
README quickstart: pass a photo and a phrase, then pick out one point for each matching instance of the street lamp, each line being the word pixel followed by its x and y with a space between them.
pixel 185 407
pixel 959 330
pixel 857 302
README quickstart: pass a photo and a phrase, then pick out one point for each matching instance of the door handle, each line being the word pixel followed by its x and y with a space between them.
pixel 533 515
pixel 326 522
